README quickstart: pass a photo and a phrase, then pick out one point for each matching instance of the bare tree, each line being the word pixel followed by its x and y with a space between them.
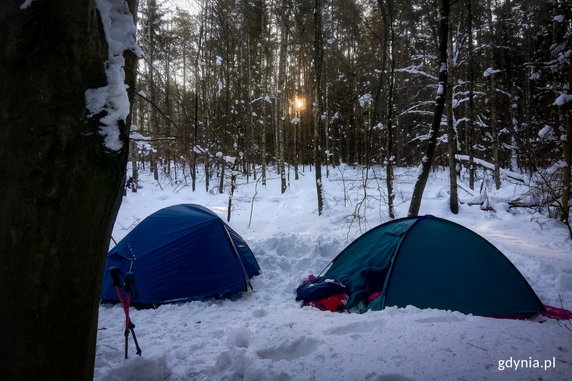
pixel 493 98
pixel 387 83
pixel 470 130
pixel 452 130
pixel 317 95
pixel 427 160
pixel 280 93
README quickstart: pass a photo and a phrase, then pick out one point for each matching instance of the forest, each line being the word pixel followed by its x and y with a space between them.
pixel 232 88
pixel 299 120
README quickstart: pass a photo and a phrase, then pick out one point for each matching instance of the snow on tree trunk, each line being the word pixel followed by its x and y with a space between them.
pixel 62 181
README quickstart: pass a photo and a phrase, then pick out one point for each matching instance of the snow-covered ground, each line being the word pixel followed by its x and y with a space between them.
pixel 265 335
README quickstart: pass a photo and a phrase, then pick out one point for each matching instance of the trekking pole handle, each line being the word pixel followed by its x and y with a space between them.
pixel 115 275
pixel 128 281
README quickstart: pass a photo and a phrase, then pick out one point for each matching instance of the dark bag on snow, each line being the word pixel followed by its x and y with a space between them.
pixel 319 288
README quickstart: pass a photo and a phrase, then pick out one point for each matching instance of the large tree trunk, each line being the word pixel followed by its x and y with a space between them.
pixel 565 217
pixel 427 160
pixel 193 147
pixel 493 100
pixel 452 135
pixel 61 188
pixel 388 73
pixel 470 129
pixel 566 170
pixel 279 104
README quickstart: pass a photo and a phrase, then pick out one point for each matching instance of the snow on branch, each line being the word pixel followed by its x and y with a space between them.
pixel 365 99
pixel 563 99
pixel 414 70
pixel 415 108
pixel 457 122
pixel 547 133
pixel 487 165
pixel 112 100
pixel 26 4
pixel 490 71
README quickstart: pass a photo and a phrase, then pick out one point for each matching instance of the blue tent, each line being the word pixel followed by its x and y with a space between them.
pixel 182 252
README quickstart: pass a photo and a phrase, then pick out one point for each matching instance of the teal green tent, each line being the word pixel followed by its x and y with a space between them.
pixel 429 262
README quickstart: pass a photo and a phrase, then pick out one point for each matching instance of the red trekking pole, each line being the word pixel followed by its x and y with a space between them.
pixel 127 284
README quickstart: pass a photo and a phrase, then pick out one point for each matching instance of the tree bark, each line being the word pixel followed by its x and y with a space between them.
pixel 452 136
pixel 470 130
pixel 567 156
pixel 427 160
pixel 493 101
pixel 193 147
pixel 318 102
pixel 61 188
pixel 279 102
pixel 388 56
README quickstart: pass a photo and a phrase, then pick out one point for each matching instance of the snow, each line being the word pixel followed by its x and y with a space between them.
pixel 490 71
pixel 414 70
pixel 547 133
pixel 365 99
pixel 112 99
pixel 218 60
pixel 563 99
pixel 558 18
pixel 26 4
pixel 491 166
pixel 265 335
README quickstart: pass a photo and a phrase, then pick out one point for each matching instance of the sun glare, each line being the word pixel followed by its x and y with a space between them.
pixel 299 103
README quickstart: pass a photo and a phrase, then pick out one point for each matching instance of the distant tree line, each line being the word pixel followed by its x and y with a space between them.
pixel 235 87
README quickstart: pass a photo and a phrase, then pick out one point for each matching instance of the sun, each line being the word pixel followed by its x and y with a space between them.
pixel 299 103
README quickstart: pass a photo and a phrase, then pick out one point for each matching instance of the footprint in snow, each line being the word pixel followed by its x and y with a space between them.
pixel 290 350
pixel 261 312
pixel 238 337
